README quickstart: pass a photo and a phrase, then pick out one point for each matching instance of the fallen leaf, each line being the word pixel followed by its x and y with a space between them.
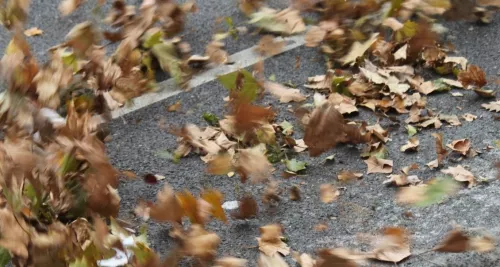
pixel 358 49
pixel 268 46
pixel 248 208
pixel 129 174
pixel 376 165
pixel 167 207
pixel 340 257
pixel 455 242
pixel 469 117
pixel 474 76
pixel 401 53
pixel 270 242
pixel 411 145
pixel 253 163
pixel 220 165
pixel 482 244
pixel 175 107
pixel 402 179
pixel 271 261
pixel 423 195
pixel 492 106
pixel 285 94
pixel 392 246
pixel 346 176
pixel 300 145
pixel 304 259
pixel 460 174
pixel 440 149
pixel 215 198
pixel 216 53
pixel 457 60
pixel 393 23
pixel 230 262
pixel 33 32
pixel 295 193
pixel 327 127
pixel 461 146
pixel 314 36
pixel 320 227
pixel 295 165
pixel 286 21
pixel 328 193
pixel 67 7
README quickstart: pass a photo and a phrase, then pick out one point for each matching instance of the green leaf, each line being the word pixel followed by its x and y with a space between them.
pixel 272 78
pixel 167 57
pixel 249 87
pixel 69 164
pixel 211 119
pixel 167 155
pixel 4 257
pixel 408 31
pixel 440 85
pixel 287 127
pixel 153 39
pixel 411 130
pixel 83 262
pixel 295 165
pixel 274 153
pixel 438 190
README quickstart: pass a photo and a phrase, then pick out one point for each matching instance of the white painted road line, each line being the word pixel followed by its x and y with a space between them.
pixel 169 88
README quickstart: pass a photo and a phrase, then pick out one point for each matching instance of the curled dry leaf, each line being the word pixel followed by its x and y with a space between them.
pixel 346 176
pixel 469 117
pixel 376 165
pixel 295 193
pixel 440 150
pixel 328 193
pixel 460 174
pixel 166 208
pixel 268 46
pixel 270 242
pixel 33 32
pixel 402 179
pixel 304 259
pixel 461 146
pixel 248 208
pixel 340 257
pixel 253 163
pixel 230 262
pixel 216 53
pixel 327 128
pixel 473 76
pixel 455 241
pixel 412 145
pixel 492 106
pixel 197 242
pixel 67 7
pixel 285 94
pixel 392 246
pixel 358 49
pixel 271 261
pixel 314 36
pixel 286 21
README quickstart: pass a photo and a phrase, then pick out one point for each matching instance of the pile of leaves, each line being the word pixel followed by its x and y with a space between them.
pixel 58 190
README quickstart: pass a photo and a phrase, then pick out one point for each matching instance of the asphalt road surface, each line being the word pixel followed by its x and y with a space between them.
pixel 364 206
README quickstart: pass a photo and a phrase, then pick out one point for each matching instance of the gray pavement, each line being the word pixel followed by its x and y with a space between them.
pixel 365 206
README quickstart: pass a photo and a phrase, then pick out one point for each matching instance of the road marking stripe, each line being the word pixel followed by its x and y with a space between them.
pixel 168 88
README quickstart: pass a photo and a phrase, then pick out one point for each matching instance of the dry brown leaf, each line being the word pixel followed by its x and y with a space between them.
pixel 271 193
pixel 270 242
pixel 376 165
pixel 167 207
pixel 440 149
pixel 346 176
pixel 460 174
pixel 457 60
pixel 300 145
pixel 340 257
pixel 320 227
pixel 271 261
pixel 250 6
pixel 33 32
pixel 474 76
pixel 295 193
pixel 248 208
pixel 197 242
pixel 197 210
pixel 469 117
pixel 215 51
pixel 230 262
pixel 392 246
pixel 461 146
pixel 327 127
pixel 175 107
pixel 220 165
pixel 314 36
pixel 411 145
pixel 253 163
pixel 328 193
pixel 284 93
pixel 358 49
pixel 215 199
pixel 268 46
pixel 344 104
pixel 129 174
pixel 402 179
pixel 482 244
pixel 304 259
pixel 492 106
pixel 455 242
pixel 67 7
